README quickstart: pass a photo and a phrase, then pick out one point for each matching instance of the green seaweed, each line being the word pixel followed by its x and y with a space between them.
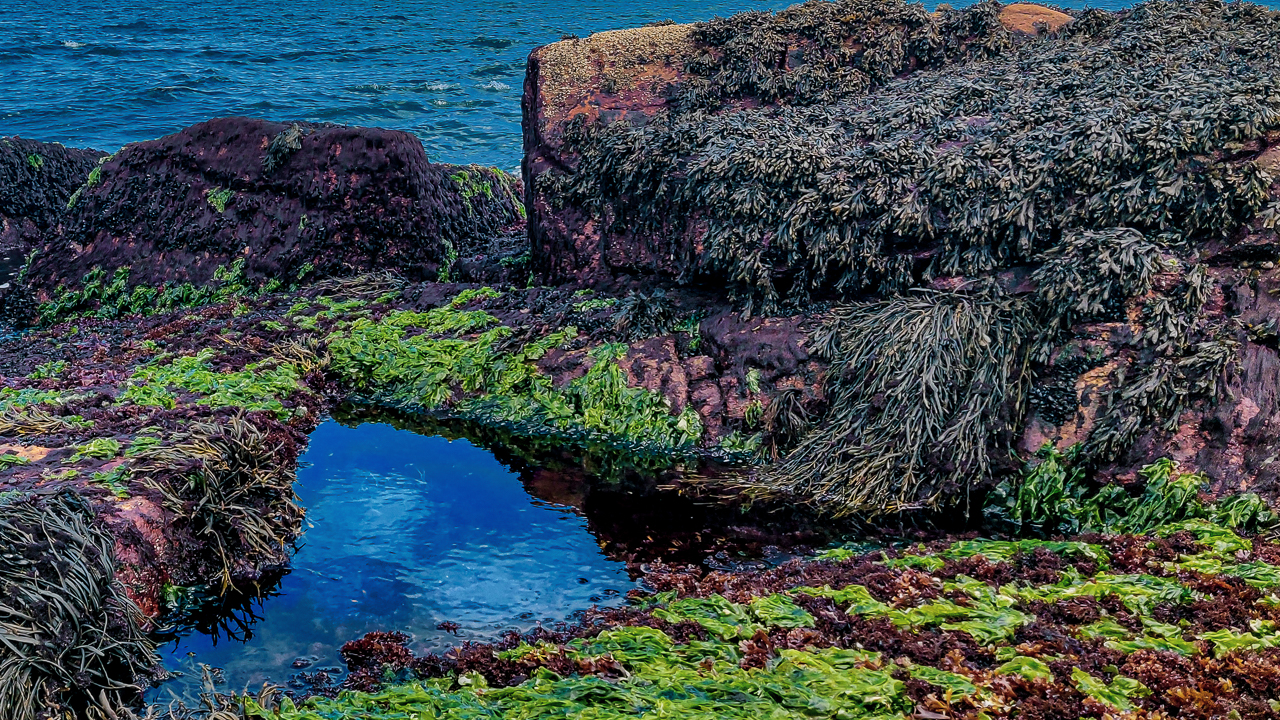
pixel 1027 667
pixel 51 369
pixel 1054 497
pixel 8 460
pixel 259 386
pixel 115 295
pixel 459 359
pixel 218 198
pixel 95 177
pixel 471 184
pixel 594 304
pixel 466 297
pixel 114 480
pixel 1118 694
pixel 98 448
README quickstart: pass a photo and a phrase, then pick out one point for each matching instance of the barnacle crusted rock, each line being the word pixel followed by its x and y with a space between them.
pixel 289 200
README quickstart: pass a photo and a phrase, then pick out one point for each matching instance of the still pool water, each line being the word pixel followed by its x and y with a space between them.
pixel 407 531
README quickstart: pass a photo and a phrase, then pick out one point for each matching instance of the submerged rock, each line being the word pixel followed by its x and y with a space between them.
pixel 290 201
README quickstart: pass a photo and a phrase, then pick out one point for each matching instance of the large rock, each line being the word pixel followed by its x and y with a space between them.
pixel 633 75
pixel 288 200
pixel 1040 259
pixel 36 180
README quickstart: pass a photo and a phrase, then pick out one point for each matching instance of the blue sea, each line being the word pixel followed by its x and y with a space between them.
pixel 103 74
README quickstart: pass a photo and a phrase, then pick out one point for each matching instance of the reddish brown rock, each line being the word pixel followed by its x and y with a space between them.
pixel 1030 19
pixel 288 200
pixel 36 180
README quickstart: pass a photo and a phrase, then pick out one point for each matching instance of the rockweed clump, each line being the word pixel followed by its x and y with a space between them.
pixel 913 416
pixel 71 641
pixel 975 166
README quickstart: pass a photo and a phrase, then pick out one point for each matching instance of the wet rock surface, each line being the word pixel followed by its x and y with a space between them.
pixel 289 200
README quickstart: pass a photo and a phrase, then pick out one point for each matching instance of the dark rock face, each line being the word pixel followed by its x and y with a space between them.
pixel 289 200
pixel 36 180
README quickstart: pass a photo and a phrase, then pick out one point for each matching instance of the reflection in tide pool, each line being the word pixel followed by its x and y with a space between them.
pixel 405 532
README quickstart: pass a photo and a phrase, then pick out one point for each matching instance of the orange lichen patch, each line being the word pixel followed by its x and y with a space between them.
pixel 30 453
pixel 617 61
pixel 1023 18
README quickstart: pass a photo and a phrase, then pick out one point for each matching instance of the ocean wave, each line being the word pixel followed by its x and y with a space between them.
pixel 495 86
pixel 171 90
pixel 436 86
pixel 72 44
pixel 492 42
pixel 463 104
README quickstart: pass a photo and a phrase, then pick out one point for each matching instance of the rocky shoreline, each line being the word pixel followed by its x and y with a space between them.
pixel 869 259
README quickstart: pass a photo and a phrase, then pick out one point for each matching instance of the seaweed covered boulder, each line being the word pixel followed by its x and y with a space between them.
pixel 1028 226
pixel 805 55
pixel 274 201
pixel 36 180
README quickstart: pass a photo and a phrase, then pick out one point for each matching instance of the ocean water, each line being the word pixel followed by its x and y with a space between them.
pixel 405 532
pixel 103 73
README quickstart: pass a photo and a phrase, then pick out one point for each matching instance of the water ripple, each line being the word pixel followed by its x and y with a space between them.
pixel 107 73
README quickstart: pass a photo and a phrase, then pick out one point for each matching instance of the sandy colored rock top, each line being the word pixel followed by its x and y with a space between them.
pixel 618 57
pixel 1022 18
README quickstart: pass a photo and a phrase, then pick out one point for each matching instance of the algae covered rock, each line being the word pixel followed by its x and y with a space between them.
pixel 1105 178
pixel 36 179
pixel 675 91
pixel 288 200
